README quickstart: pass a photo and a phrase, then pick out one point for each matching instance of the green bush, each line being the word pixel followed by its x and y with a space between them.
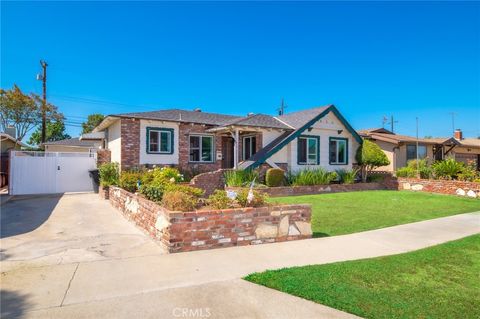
pixel 179 201
pixel 347 176
pixel 370 156
pixel 239 178
pixel 153 190
pixel 447 169
pixel 259 199
pixel 129 181
pixel 219 200
pixel 375 178
pixel 194 191
pixel 108 174
pixel 274 177
pixel 170 174
pixel 406 172
pixel 424 169
pixel 317 176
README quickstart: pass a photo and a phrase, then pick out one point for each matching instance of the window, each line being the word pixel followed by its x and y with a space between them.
pixel 412 152
pixel 338 151
pixel 249 146
pixel 308 151
pixel 201 148
pixel 159 140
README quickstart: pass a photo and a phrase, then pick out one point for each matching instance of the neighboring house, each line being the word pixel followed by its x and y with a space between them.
pixel 401 148
pixel 194 140
pixel 85 143
pixel 8 143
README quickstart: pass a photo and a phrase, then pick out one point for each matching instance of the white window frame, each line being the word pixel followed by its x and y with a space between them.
pixel 199 148
pixel 159 133
pixel 337 153
pixel 309 162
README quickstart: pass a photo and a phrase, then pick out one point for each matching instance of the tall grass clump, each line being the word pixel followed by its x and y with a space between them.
pixel 239 178
pixel 316 176
pixel 347 176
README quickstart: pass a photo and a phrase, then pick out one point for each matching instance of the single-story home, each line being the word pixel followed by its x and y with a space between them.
pixel 401 148
pixel 200 141
pixel 8 142
pixel 89 142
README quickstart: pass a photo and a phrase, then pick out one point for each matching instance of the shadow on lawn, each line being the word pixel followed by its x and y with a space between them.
pixel 319 235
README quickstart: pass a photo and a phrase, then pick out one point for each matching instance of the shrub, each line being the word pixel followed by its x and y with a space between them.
pixel 194 191
pixel 153 190
pixel 219 200
pixel 259 199
pixel 406 172
pixel 179 201
pixel 317 176
pixel 274 177
pixel 347 176
pixel 239 178
pixel 168 173
pixel 370 156
pixel 108 174
pixel 424 169
pixel 129 181
pixel 447 169
pixel 469 173
pixel 375 178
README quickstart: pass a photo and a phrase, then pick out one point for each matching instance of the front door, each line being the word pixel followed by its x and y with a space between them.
pixel 227 152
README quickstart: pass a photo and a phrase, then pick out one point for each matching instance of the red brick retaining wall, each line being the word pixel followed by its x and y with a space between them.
pixel 461 188
pixel 210 181
pixel 208 229
pixel 316 189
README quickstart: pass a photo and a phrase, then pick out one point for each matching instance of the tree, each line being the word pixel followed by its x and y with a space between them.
pixel 370 156
pixel 92 122
pixel 22 111
pixel 55 132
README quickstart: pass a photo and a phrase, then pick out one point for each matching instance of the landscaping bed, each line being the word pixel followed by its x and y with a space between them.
pixel 436 282
pixel 344 213
pixel 212 228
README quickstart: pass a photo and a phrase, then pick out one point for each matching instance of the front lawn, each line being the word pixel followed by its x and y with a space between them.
pixel 437 282
pixel 344 213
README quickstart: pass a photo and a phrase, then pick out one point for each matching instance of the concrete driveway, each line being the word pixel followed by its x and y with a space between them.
pixel 75 256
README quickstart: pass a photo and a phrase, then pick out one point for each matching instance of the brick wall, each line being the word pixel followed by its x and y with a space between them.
pixel 470 189
pixel 103 192
pixel 185 129
pixel 316 189
pixel 209 181
pixel 208 229
pixel 103 156
pixel 130 146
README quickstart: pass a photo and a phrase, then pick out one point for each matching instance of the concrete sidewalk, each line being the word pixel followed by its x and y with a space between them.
pixel 157 285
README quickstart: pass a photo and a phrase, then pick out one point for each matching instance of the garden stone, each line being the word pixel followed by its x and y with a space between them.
pixel 417 187
pixel 304 228
pixel 266 231
pixel 293 231
pixel 406 186
pixel 460 192
pixel 161 223
pixel 472 194
pixel 131 205
pixel 283 226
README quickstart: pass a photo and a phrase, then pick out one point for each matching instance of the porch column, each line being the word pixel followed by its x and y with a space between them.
pixel 235 149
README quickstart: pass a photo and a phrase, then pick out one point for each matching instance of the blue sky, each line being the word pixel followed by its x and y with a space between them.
pixel 369 59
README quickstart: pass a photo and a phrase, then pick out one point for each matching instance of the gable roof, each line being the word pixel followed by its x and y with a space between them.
pixel 302 117
pixel 6 136
pixel 259 120
pixel 75 142
pixel 397 139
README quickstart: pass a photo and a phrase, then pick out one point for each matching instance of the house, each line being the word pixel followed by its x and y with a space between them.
pixel 89 142
pixel 200 141
pixel 8 142
pixel 401 148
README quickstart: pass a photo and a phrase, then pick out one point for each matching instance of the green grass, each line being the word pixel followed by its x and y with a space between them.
pixel 437 282
pixel 344 213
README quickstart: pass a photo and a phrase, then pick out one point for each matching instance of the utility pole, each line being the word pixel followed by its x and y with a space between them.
pixel 416 149
pixel 281 109
pixel 43 77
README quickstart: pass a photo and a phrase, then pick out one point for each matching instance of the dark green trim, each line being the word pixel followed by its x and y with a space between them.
pixel 332 138
pixel 299 131
pixel 318 149
pixel 214 155
pixel 160 129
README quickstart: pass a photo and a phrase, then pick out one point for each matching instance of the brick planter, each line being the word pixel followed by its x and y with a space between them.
pixel 208 229
pixel 315 189
pixel 103 192
pixel 460 188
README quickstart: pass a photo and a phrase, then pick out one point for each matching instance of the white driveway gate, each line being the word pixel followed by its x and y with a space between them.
pixel 50 172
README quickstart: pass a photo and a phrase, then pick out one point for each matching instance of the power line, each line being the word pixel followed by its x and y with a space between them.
pixel 102 102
